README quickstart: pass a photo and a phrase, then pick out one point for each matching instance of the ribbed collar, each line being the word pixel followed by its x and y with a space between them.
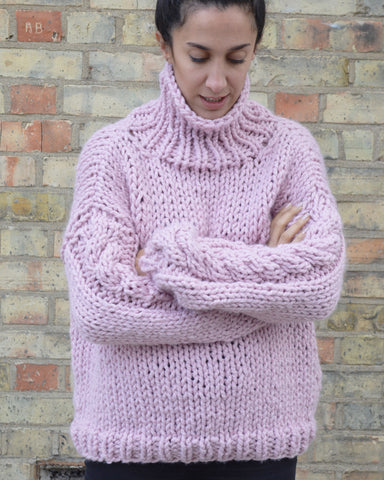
pixel 169 130
pixel 172 97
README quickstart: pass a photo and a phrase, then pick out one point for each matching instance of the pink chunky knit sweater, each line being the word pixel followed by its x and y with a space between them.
pixel 212 354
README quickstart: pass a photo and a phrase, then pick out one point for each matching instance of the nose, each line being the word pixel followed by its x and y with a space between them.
pixel 216 79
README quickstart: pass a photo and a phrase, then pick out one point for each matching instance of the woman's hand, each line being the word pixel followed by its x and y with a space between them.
pixel 280 234
pixel 140 253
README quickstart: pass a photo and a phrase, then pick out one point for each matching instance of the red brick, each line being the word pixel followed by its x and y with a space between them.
pixel 16 137
pixel 303 34
pixel 365 250
pixel 33 99
pixel 56 136
pixel 38 26
pixel 303 108
pixel 326 347
pixel 36 377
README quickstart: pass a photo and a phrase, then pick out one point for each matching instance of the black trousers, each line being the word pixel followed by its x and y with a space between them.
pixel 270 470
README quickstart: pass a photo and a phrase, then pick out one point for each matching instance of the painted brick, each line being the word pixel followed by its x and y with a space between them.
pixel 90 128
pixel 139 29
pixel 365 251
pixel 105 101
pixel 36 377
pixel 302 34
pixel 45 3
pixel 14 470
pixel 328 142
pixel 42 64
pixel 57 243
pixel 38 26
pixel 33 276
pixel 18 137
pixel 62 311
pixel 326 348
pixel 260 97
pixel 4 25
pixel 378 318
pixel 369 73
pixel 119 4
pixel 357 317
pixel 36 411
pixel 24 310
pixel 270 35
pixel 125 66
pixel 302 108
pixel 379 156
pixel 355 108
pixel 359 36
pixel 50 207
pixel 362 350
pixel 362 416
pixel 56 136
pixel 326 416
pixel 33 99
pixel 145 5
pixel 2 109
pixel 363 476
pixel 18 344
pixel 364 285
pixel 353 385
pixel 4 376
pixel 3 205
pixel 38 207
pixel 358 144
pixel 26 442
pixel 356 181
pixel 68 379
pixel 87 27
pixel 372 7
pixel 309 474
pixel 344 319
pixel 325 7
pixel 59 172
pixel 66 447
pixel 17 171
pixel 23 242
pixel 363 216
pixel 363 450
pixel 294 71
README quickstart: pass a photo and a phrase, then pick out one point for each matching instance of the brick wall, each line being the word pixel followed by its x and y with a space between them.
pixel 67 67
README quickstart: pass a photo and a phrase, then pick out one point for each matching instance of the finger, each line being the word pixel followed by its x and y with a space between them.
pixel 280 222
pixel 293 230
pixel 299 237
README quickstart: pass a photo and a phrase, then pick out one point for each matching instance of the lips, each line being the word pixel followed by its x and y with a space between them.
pixel 214 103
pixel 213 99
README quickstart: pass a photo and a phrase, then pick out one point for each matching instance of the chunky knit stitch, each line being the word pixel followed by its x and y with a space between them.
pixel 212 354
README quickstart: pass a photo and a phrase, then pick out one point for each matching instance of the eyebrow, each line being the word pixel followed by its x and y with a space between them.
pixel 233 49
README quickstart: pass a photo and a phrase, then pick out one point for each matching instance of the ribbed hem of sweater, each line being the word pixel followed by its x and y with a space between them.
pixel 122 447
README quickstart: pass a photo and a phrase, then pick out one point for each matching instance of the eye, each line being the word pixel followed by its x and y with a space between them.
pixel 236 60
pixel 197 59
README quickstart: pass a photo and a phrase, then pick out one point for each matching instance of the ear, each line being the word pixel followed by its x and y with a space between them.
pixel 164 47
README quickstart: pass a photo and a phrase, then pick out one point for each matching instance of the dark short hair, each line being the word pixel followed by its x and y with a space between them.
pixel 172 14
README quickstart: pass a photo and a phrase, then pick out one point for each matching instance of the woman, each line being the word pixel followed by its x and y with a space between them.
pixel 193 282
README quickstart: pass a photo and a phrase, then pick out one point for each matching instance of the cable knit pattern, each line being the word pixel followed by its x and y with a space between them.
pixel 212 354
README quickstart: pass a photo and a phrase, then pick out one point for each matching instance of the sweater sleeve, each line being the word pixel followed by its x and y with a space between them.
pixel 110 302
pixel 297 281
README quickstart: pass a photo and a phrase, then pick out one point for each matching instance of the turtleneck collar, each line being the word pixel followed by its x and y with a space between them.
pixel 170 93
pixel 169 130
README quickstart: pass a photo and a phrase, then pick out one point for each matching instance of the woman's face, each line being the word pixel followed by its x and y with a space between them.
pixel 211 55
